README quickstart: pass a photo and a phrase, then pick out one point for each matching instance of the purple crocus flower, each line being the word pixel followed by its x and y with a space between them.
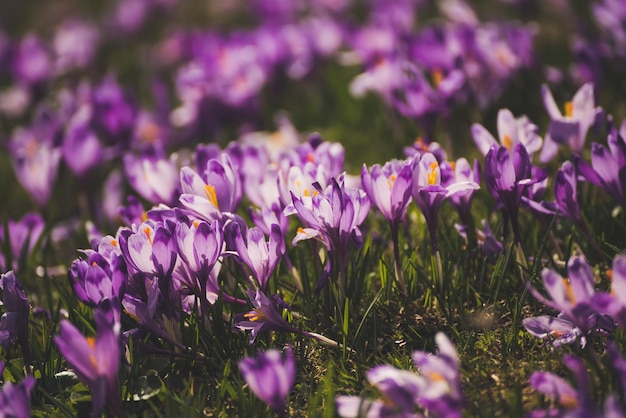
pixel 508 175
pixel 15 398
pixel 96 279
pixel 574 298
pixel 14 321
pixel 332 216
pixel 570 401
pixel 260 256
pixel 200 245
pixel 95 360
pixel 511 131
pixel 217 189
pixel 572 126
pixel 266 315
pixel 389 188
pixel 270 375
pixel 608 165
pixel 429 193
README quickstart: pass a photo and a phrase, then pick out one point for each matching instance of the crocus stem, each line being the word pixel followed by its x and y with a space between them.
pixel 592 241
pixel 325 340
pixel 439 272
pixel 294 273
pixel 396 259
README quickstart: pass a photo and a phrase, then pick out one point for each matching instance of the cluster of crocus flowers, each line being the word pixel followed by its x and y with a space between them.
pixel 434 389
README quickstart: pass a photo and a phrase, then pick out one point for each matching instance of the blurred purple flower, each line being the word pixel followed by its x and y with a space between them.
pixel 23 236
pixel 81 147
pixel 75 44
pixel 32 63
pixel 113 113
pixel 570 402
pixel 95 360
pixel 572 126
pixel 511 131
pixel 14 321
pixel 574 298
pixel 15 398
pixel 436 388
pixel 36 160
pixel 271 375
pixel 608 166
pixel 154 178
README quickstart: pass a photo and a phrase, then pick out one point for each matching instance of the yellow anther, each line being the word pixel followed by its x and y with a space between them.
pixel 255 315
pixel 452 165
pixel 432 173
pixel 506 141
pixel 147 231
pixel 437 76
pixel 144 216
pixel 196 223
pixel 113 242
pixel 94 264
pixel 437 377
pixel 310 158
pixel 91 341
pixel 209 191
pixel 569 109
pixel 391 180
pixel 568 401
pixel 569 293
pixel 306 193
